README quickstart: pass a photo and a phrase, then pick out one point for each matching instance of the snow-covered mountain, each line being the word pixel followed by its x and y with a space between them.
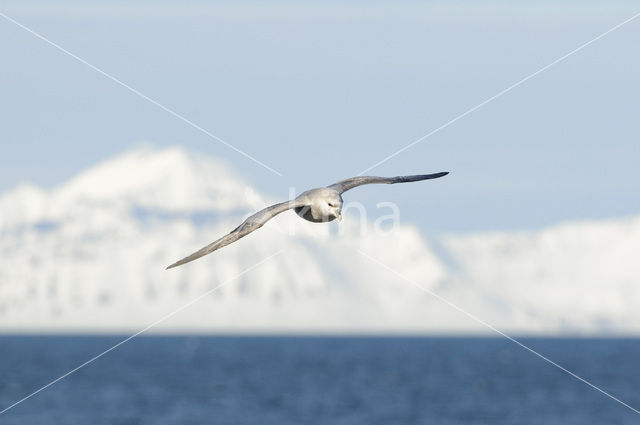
pixel 90 256
pixel 570 278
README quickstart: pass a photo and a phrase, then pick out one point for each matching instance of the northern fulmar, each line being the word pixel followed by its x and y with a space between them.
pixel 319 205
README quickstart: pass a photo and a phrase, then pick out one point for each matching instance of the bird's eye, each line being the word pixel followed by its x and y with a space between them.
pixel 330 204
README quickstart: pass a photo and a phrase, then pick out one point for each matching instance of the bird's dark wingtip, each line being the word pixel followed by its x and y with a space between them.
pixel 171 266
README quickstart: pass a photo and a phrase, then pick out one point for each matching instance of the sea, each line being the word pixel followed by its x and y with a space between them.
pixel 342 380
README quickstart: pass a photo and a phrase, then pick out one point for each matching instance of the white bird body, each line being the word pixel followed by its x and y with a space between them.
pixel 319 205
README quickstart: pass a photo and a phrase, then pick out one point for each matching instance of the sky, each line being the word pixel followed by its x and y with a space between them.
pixel 323 91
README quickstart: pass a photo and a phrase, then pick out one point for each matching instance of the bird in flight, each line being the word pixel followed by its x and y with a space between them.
pixel 317 205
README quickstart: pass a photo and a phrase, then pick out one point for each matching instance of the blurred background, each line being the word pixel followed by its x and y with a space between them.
pixel 343 84
pixel 536 231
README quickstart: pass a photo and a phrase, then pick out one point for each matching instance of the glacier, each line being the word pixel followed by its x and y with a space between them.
pixel 89 256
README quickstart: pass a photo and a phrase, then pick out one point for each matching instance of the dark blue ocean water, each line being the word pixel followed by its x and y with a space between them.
pixel 332 380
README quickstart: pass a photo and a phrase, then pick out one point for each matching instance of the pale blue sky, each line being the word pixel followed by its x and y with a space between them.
pixel 346 84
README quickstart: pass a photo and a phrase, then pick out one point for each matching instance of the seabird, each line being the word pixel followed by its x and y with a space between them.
pixel 319 205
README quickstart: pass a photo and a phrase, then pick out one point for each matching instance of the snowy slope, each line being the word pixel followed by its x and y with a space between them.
pixel 90 256
pixel 573 277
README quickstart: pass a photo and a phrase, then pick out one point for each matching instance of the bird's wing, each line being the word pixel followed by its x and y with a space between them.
pixel 252 223
pixel 346 184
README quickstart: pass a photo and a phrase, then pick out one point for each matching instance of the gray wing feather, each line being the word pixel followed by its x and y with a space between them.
pixel 252 223
pixel 346 184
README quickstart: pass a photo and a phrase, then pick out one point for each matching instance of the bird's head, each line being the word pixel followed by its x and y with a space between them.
pixel 331 205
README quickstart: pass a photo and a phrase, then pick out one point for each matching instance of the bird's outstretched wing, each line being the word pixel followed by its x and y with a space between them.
pixel 346 184
pixel 252 223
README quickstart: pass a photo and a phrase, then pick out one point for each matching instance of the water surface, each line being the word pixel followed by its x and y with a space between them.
pixel 317 380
